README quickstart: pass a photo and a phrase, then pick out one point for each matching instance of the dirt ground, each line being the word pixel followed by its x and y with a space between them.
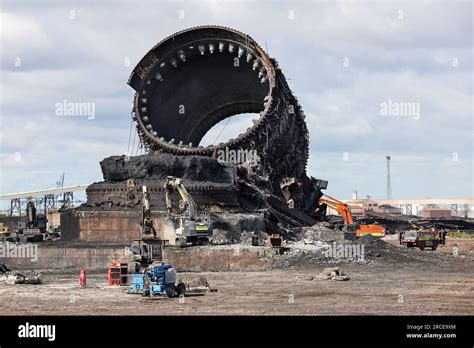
pixel 435 283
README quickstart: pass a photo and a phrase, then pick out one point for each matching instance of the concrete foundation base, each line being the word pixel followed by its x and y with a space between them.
pixel 98 257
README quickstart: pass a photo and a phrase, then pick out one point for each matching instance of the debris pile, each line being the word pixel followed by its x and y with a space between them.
pixel 375 249
pixel 300 254
pixel 231 228
pixel 198 286
pixel 319 232
pixel 321 244
pixel 13 277
pixel 333 273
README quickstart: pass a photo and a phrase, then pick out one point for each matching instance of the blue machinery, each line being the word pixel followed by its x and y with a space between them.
pixel 157 280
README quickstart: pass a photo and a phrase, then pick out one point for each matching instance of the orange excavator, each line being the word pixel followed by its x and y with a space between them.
pixel 352 230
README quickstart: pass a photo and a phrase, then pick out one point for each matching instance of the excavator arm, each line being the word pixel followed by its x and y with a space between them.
pixel 340 207
pixel 343 210
pixel 147 229
pixel 175 184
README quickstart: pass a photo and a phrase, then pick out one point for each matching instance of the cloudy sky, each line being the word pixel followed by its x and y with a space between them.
pixel 346 61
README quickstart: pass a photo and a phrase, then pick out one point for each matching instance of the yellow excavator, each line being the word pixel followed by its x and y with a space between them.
pixel 189 225
pixel 352 230
pixel 4 232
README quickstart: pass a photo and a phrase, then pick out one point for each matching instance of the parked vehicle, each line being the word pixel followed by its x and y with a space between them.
pixel 423 238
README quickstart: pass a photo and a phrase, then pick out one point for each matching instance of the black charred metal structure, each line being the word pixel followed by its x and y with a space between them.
pixel 185 85
pixel 195 78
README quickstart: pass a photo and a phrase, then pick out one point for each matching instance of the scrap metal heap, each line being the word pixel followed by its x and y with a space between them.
pixel 184 86
pixel 14 277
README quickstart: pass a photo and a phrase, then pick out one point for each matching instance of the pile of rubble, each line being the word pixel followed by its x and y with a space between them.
pixel 233 228
pixel 377 250
pixel 333 273
pixel 322 231
pixel 322 244
pixel 13 277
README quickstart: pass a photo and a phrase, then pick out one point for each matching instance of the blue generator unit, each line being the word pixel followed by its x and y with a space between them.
pixel 157 280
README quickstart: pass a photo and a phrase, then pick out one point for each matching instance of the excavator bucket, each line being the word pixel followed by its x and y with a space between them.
pixel 275 241
pixel 349 232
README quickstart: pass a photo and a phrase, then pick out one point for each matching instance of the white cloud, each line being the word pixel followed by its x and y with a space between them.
pixel 17 29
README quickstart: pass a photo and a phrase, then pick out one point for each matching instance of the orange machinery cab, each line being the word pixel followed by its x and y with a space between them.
pixel 374 230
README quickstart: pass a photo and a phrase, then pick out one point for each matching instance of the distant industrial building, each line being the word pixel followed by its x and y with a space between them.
pixel 436 213
pixel 360 207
